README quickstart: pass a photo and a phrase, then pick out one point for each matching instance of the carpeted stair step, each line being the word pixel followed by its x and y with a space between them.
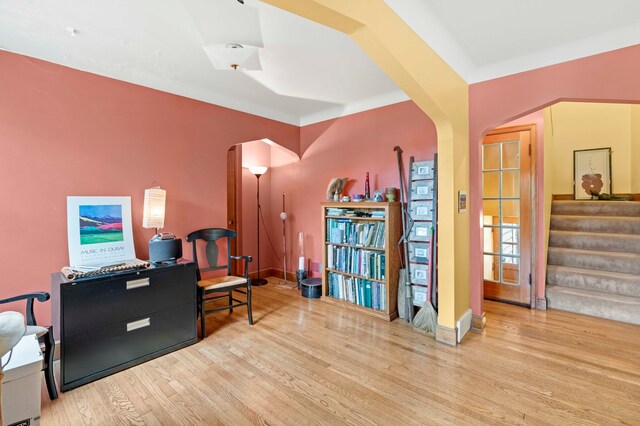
pixel 600 224
pixel 626 263
pixel 595 241
pixel 596 208
pixel 589 279
pixel 594 303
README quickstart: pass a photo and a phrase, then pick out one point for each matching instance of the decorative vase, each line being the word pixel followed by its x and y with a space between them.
pixel 391 194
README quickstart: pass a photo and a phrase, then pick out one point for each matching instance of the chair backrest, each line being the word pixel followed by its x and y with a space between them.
pixel 212 236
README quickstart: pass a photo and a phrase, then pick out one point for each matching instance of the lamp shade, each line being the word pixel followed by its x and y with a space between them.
pixel 258 170
pixel 153 213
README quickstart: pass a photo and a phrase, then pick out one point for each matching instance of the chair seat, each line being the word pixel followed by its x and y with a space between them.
pixel 221 282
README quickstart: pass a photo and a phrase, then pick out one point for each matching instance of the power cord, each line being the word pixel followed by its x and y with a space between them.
pixel 267 233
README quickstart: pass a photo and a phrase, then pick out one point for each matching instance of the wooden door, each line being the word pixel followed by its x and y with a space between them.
pixel 234 188
pixel 506 194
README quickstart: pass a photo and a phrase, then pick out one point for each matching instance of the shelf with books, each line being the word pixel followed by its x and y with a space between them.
pixel 354 246
pixel 360 257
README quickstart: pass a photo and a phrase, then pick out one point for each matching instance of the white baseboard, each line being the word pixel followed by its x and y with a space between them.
pixel 464 324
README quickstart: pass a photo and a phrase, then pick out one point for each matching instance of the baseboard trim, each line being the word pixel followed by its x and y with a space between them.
pixel 446 335
pixel 291 276
pixel 276 273
pixel 464 325
pixel 541 303
pixel 478 323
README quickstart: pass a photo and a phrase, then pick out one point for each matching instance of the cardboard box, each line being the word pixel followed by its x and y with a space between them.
pixel 21 383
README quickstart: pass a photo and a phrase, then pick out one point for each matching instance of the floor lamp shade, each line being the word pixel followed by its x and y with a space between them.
pixel 154 202
pixel 258 170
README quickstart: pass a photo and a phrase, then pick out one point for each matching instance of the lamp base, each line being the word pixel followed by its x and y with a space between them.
pixel 258 282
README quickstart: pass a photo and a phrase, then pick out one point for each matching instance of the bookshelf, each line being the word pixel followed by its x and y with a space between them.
pixel 360 258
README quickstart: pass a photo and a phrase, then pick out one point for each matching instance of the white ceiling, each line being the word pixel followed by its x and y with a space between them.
pixel 310 73
pixel 487 39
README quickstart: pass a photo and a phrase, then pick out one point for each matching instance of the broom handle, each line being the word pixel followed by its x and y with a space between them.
pixel 408 302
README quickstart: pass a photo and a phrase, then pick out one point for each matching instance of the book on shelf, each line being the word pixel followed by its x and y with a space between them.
pixel 344 231
pixel 357 261
pixel 359 291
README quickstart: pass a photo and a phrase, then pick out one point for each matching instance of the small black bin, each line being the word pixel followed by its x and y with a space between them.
pixel 311 288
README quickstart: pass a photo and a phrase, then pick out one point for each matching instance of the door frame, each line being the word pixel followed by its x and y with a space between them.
pixel 533 208
pixel 234 199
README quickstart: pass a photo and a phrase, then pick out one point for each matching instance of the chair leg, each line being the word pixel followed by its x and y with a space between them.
pixel 249 305
pixel 231 302
pixel 203 327
pixel 49 345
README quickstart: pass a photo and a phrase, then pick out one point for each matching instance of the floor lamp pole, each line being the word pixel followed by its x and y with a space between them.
pixel 258 280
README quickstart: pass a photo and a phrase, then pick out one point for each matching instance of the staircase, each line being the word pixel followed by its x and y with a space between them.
pixel 593 266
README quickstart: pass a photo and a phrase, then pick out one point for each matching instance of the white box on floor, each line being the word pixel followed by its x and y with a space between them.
pixel 21 383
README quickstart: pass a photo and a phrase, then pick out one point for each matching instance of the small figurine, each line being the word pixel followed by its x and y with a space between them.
pixel 377 196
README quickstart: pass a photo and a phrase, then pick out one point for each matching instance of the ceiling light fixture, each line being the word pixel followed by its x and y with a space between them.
pixel 234 56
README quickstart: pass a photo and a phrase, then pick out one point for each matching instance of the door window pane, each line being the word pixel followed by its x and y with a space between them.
pixel 510 241
pixel 491 267
pixel 510 212
pixel 491 212
pixel 491 157
pixel 491 184
pixel 491 240
pixel 510 270
pixel 511 184
pixel 511 155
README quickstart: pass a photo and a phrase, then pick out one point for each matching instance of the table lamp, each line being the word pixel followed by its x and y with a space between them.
pixel 163 247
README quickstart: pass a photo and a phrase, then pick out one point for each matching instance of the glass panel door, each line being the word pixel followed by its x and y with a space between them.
pixel 505 197
pixel 501 172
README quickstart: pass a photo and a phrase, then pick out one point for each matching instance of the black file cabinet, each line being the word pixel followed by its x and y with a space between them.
pixel 110 323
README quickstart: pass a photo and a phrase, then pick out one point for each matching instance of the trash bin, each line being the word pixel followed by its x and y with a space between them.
pixel 311 288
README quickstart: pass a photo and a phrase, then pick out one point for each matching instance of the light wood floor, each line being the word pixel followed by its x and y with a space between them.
pixel 307 362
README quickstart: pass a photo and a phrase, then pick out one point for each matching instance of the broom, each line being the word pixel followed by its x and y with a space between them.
pixel 427 318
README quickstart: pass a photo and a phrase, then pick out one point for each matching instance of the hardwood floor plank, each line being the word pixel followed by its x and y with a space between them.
pixel 309 362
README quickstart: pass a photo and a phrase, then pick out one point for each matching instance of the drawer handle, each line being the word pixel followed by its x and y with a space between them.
pixel 146 322
pixel 142 282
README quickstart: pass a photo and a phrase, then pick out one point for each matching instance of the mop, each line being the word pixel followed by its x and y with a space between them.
pixel 427 318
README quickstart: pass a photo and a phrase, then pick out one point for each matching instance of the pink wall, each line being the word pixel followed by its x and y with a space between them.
pixel 67 132
pixel 608 77
pixel 346 147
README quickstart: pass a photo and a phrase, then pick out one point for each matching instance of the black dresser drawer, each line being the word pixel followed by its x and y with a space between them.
pixel 97 303
pixel 90 354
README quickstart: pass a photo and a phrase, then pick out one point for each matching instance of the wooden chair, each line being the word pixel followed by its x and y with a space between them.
pixel 211 289
pixel 45 337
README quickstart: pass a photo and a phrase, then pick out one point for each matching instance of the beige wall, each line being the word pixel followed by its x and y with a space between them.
pixel 575 126
pixel 635 149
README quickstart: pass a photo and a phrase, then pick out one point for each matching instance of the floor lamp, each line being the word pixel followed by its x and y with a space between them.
pixel 258 171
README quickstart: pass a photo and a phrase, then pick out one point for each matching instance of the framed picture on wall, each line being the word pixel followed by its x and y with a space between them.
pixel 591 173
pixel 99 231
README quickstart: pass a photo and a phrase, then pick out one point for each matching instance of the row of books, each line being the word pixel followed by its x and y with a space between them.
pixel 367 263
pixel 344 231
pixel 369 294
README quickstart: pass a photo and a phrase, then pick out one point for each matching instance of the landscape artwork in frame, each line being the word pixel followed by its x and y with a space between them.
pixel 592 173
pixel 99 230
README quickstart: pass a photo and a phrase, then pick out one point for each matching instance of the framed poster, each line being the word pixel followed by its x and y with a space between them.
pixel 591 173
pixel 99 231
